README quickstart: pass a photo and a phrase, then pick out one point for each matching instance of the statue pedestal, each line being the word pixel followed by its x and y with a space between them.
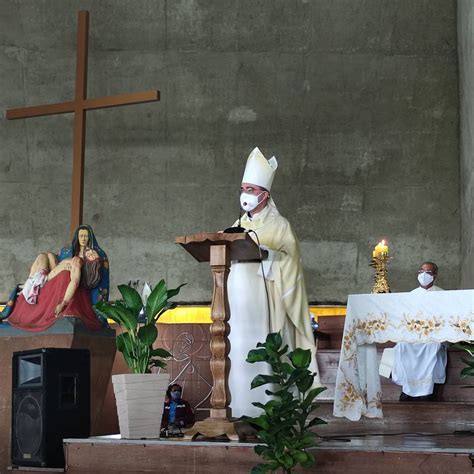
pixel 66 333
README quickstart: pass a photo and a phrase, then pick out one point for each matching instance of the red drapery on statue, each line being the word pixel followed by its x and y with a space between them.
pixel 40 316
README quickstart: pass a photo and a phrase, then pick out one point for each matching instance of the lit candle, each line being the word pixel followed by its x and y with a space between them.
pixel 380 249
pixel 377 250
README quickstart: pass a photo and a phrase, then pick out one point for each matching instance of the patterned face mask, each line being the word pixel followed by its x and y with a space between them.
pixel 249 202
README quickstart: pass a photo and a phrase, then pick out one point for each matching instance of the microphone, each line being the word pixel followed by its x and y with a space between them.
pixel 237 229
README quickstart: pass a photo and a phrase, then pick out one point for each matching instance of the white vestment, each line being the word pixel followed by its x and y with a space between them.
pixel 253 317
pixel 419 366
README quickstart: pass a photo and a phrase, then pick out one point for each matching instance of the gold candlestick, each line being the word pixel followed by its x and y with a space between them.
pixel 379 263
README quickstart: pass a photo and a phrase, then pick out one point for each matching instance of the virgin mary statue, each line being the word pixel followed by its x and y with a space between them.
pixel 66 284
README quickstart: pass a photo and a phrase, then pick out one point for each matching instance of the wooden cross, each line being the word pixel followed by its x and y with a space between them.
pixel 79 106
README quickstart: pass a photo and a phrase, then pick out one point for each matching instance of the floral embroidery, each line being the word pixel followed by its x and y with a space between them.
pixel 370 326
pixel 348 339
pixel 350 395
pixel 463 325
pixel 420 326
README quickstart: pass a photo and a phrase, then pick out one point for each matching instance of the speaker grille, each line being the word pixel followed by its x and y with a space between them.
pixel 28 427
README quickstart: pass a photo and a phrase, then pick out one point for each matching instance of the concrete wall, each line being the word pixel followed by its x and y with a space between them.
pixel 466 79
pixel 357 98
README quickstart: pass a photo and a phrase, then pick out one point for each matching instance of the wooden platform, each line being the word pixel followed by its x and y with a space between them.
pixel 406 448
pixel 414 437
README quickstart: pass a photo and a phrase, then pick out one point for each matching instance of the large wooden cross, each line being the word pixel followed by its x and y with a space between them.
pixel 79 106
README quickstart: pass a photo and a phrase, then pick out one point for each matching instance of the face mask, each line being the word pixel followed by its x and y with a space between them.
pixel 175 395
pixel 425 278
pixel 249 202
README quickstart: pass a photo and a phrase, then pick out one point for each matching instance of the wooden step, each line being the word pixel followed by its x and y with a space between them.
pixel 454 390
pixel 408 412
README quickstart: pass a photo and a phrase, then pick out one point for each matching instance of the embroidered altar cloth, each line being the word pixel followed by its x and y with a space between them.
pixel 398 317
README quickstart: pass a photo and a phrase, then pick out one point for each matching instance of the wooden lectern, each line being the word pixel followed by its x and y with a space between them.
pixel 219 249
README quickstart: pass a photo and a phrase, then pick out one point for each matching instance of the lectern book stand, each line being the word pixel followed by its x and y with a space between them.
pixel 219 249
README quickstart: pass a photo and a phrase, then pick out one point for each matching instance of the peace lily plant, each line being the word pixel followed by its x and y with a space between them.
pixel 139 331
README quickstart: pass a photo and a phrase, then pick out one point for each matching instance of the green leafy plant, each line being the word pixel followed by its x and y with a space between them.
pixel 286 422
pixel 138 324
pixel 467 371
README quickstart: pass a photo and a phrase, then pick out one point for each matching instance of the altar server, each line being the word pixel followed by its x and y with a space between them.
pixel 266 297
pixel 417 367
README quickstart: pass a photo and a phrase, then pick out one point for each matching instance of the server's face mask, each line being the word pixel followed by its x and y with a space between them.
pixel 249 202
pixel 425 278
pixel 176 395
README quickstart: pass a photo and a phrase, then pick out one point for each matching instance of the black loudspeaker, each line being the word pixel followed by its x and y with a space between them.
pixel 50 402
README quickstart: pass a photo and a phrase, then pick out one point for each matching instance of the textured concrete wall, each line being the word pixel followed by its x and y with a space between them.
pixel 357 98
pixel 466 79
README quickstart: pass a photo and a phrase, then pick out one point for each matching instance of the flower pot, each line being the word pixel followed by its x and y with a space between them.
pixel 140 400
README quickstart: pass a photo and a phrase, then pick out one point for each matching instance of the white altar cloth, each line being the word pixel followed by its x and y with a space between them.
pixel 398 317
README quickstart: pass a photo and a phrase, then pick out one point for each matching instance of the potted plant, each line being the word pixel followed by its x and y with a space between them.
pixel 140 395
pixel 284 425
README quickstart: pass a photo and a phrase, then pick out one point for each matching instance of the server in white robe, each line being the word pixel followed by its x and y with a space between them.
pixel 261 305
pixel 417 367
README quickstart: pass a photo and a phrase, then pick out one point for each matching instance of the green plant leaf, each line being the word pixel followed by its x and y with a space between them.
pixel 125 345
pixel 157 363
pixel 119 341
pixel 169 305
pixel 305 383
pixel 261 469
pixel 309 461
pixel 465 346
pixel 260 380
pixel 131 298
pixel 286 368
pixel 316 421
pixel 109 310
pixel 287 461
pixel 310 396
pixel 260 449
pixel 148 334
pixel 466 372
pixel 283 351
pixel 297 375
pixel 156 301
pixel 160 353
pixel 175 291
pixel 261 421
pixel 302 457
pixel 129 321
pixel 307 439
pixel 257 355
pixel 468 362
pixel 274 341
pixel 301 358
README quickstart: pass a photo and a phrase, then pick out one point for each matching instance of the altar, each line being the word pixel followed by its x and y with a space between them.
pixel 444 316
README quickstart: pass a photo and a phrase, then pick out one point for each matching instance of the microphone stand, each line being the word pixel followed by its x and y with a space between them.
pixel 237 229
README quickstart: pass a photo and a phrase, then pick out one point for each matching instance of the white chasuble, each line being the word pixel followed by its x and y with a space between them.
pixel 252 317
pixel 419 366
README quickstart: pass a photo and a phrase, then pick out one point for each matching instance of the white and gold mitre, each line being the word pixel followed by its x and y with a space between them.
pixel 259 170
